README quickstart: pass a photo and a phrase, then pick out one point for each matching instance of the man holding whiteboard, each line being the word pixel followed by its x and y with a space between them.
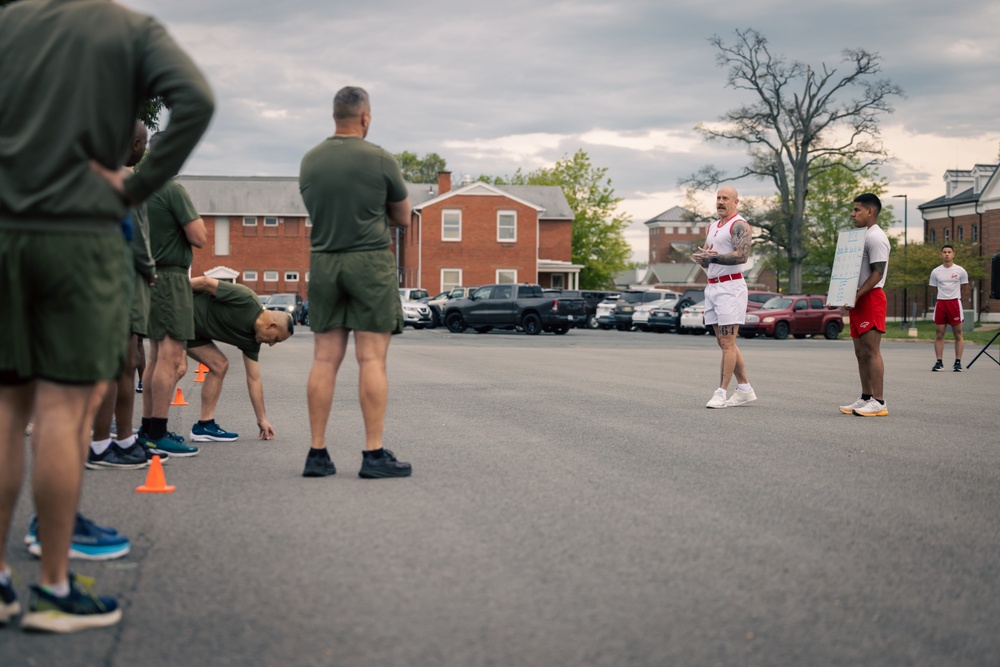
pixel 867 315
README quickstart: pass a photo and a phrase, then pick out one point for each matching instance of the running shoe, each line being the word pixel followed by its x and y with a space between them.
pixel 211 432
pixel 872 409
pixel 849 409
pixel 90 541
pixel 319 464
pixel 718 399
pixel 174 446
pixel 80 610
pixel 115 457
pixel 741 397
pixel 957 367
pixel 938 366
pixel 383 467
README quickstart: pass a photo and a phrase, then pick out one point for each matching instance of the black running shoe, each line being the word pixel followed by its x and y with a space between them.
pixel 115 457
pixel 319 466
pixel 385 466
pixel 957 367
pixel 938 366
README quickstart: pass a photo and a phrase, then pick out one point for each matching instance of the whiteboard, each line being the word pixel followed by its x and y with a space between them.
pixel 846 268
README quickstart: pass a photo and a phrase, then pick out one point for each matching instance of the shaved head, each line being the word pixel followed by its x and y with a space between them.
pixel 726 200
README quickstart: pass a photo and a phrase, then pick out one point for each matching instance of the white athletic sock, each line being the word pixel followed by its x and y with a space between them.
pixel 5 577
pixel 127 442
pixel 60 590
pixel 743 387
pixel 99 447
pixel 720 391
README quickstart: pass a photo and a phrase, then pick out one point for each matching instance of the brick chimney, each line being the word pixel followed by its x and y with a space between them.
pixel 444 182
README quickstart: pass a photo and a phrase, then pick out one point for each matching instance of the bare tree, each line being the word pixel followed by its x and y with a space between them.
pixel 802 121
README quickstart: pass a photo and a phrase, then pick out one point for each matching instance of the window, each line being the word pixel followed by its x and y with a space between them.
pixel 506 275
pixel 801 304
pixel 451 225
pixel 270 221
pixel 507 226
pixel 270 276
pixel 249 276
pixel 933 236
pixel 291 276
pixel 975 233
pixel 503 292
pixel 947 234
pixel 249 221
pixel 221 236
pixel 816 304
pixel 558 281
pixel 450 279
pixel 961 233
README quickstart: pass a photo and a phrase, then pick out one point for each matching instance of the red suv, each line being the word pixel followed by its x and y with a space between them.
pixel 798 314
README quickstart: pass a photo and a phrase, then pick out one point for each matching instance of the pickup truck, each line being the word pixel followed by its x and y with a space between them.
pixel 512 306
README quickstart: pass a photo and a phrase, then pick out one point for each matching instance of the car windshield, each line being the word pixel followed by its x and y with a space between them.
pixel 281 300
pixel 265 299
pixel 777 303
pixel 631 297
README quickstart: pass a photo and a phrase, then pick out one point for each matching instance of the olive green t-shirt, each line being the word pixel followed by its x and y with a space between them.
pixel 345 184
pixel 228 317
pixel 167 212
pixel 142 255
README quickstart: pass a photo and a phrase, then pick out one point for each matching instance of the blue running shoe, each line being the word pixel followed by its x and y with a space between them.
pixel 32 535
pixel 80 610
pixel 90 542
pixel 9 606
pixel 211 432
pixel 171 443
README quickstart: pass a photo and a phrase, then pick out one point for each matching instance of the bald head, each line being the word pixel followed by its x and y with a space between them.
pixel 138 146
pixel 726 200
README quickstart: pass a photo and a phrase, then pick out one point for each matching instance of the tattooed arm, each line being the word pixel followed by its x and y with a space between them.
pixel 741 247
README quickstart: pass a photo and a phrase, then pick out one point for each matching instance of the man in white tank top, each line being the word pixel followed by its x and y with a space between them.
pixel 724 257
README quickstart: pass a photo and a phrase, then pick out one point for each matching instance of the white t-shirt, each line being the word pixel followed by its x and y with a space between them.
pixel 949 281
pixel 876 250
pixel 720 237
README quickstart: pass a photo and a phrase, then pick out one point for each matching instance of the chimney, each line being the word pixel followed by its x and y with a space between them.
pixel 444 182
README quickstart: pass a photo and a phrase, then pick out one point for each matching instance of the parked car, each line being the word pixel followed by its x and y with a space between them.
pixel 627 302
pixel 640 318
pixel 692 320
pixel 799 315
pixel 264 298
pixel 416 314
pixel 604 313
pixel 756 299
pixel 413 293
pixel 304 315
pixel 513 306
pixel 591 300
pixel 661 320
pixel 290 303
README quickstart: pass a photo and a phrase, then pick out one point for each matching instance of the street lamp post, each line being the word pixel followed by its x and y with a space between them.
pixel 906 303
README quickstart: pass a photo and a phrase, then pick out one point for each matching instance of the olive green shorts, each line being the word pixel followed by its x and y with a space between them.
pixel 66 306
pixel 171 305
pixel 140 305
pixel 354 290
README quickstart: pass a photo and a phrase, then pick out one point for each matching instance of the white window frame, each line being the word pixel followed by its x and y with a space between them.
pixel 222 236
pixel 309 221
pixel 947 234
pixel 270 276
pixel 447 286
pixel 561 278
pixel 270 221
pixel 500 237
pixel 250 276
pixel 500 272
pixel 307 276
pixel 249 221
pixel 291 276
pixel 445 225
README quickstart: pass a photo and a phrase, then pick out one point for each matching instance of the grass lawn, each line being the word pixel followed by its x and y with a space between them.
pixel 925 331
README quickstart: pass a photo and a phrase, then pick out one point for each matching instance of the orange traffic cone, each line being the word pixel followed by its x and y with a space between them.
pixel 201 375
pixel 202 368
pixel 155 480
pixel 178 398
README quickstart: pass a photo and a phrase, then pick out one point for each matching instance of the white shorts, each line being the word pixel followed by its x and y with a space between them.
pixel 726 303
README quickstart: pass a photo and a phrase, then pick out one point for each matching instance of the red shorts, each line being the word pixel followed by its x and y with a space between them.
pixel 948 311
pixel 868 313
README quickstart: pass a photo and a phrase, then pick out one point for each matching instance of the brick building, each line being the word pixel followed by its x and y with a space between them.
pixel 258 234
pixel 968 212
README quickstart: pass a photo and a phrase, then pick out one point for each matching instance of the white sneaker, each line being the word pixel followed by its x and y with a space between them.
pixel 718 399
pixel 849 409
pixel 872 409
pixel 741 397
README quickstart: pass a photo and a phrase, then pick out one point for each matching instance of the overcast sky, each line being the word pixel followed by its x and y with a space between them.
pixel 496 86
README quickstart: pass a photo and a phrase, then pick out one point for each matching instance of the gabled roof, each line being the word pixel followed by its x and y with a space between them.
pixel 675 215
pixel 963 197
pixel 548 200
pixel 969 195
pixel 672 274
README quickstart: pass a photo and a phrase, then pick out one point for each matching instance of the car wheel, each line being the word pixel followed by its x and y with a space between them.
pixel 531 324
pixel 781 330
pixel 435 320
pixel 455 323
pixel 832 331
pixel 483 329
pixel 305 320
pixel 592 322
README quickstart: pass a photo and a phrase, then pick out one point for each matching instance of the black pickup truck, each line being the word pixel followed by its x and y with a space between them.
pixel 510 306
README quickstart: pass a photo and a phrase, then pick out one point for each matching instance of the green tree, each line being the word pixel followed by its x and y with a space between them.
pixel 598 227
pixel 800 119
pixel 418 169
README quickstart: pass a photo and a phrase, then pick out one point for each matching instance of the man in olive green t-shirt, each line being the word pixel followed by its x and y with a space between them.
pixel 174 227
pixel 71 77
pixel 231 314
pixel 353 191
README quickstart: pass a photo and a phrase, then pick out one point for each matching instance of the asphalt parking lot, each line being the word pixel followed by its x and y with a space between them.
pixel 572 503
